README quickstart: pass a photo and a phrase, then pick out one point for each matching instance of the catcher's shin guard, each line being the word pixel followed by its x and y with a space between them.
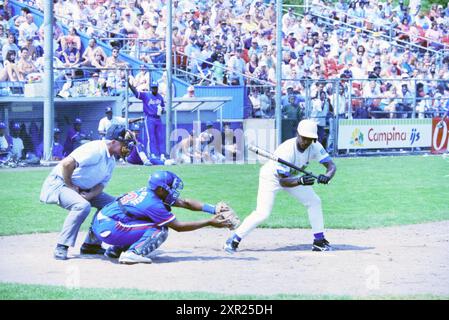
pixel 149 243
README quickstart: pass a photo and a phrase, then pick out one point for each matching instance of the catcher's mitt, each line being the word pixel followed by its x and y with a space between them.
pixel 226 212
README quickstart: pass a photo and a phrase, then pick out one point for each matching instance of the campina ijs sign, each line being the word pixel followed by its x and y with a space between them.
pixel 384 133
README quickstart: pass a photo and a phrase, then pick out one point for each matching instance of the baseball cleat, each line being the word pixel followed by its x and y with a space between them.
pixel 231 245
pixel 130 257
pixel 88 248
pixel 60 252
pixel 114 252
pixel 321 245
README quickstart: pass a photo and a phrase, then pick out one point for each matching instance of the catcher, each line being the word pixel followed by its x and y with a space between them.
pixel 137 223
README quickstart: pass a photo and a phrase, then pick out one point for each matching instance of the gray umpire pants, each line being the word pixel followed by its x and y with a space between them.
pixel 79 209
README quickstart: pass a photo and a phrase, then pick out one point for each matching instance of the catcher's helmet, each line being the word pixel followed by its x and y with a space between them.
pixel 168 181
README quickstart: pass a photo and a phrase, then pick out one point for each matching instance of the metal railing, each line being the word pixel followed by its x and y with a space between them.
pixel 366 21
pixel 390 37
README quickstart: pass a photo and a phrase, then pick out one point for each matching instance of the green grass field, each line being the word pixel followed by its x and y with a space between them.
pixel 365 193
pixel 10 291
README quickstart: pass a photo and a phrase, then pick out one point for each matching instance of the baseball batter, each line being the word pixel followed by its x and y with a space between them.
pixel 274 177
pixel 137 223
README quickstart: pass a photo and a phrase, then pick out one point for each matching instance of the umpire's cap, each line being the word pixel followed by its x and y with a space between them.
pixel 308 129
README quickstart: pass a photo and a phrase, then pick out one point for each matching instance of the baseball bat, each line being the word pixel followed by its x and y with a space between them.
pixel 271 156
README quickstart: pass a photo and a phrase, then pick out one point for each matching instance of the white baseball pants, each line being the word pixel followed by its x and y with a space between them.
pixel 266 195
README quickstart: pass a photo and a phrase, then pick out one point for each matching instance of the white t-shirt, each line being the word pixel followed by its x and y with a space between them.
pixel 289 152
pixel 105 123
pixel 3 143
pixel 17 147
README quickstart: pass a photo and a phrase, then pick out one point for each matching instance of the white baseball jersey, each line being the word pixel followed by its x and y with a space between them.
pixel 289 152
pixel 105 123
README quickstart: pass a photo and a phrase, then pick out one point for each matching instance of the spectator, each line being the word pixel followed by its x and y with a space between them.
pixel 142 79
pixel 10 72
pixel 404 107
pixel 33 51
pixel 320 108
pixel 252 65
pixel 25 66
pixel 218 70
pixel 95 86
pixel 292 111
pixel 236 66
pixel 89 55
pixel 114 61
pixel 190 92
pixel 3 40
pixel 71 56
pixel 10 45
pixel 27 29
pixel 5 143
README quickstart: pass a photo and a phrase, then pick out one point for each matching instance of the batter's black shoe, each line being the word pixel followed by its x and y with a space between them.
pixel 231 245
pixel 88 248
pixel 321 245
pixel 60 252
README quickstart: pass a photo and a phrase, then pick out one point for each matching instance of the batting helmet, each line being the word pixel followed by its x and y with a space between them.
pixel 168 181
pixel 308 129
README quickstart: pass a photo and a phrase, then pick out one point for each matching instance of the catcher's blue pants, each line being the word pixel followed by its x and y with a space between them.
pixel 132 234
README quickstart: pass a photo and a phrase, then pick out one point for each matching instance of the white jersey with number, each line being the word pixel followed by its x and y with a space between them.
pixel 289 152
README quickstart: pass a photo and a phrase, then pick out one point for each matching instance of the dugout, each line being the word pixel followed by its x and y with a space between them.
pixel 30 110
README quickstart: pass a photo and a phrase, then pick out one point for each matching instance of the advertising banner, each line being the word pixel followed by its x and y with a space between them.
pixel 440 135
pixel 384 133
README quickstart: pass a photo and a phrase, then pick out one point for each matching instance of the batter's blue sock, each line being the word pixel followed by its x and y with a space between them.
pixel 319 236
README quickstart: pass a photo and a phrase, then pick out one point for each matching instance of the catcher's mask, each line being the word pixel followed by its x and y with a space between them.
pixel 124 136
pixel 168 181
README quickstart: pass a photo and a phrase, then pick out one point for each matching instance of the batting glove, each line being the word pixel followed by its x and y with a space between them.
pixel 306 180
pixel 323 179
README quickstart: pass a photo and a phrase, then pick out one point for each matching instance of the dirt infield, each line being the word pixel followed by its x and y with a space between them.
pixel 403 260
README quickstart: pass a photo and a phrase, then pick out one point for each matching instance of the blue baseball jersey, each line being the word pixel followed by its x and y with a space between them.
pixel 143 205
pixel 134 155
pixel 150 103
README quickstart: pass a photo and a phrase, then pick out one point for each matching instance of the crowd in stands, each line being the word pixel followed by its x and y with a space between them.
pixel 327 51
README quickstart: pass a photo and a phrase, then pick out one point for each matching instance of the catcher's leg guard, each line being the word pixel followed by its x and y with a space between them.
pixel 150 241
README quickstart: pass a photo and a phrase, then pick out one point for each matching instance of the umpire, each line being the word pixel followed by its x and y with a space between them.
pixel 77 182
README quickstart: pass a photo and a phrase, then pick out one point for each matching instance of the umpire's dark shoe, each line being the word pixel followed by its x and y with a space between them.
pixel 60 252
pixel 321 245
pixel 87 248
pixel 114 252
